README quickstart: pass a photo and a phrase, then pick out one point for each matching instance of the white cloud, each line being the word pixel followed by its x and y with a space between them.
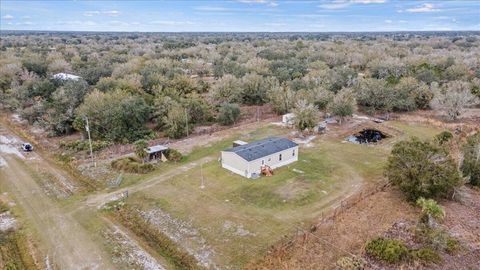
pixel 91 13
pixel 112 13
pixel 369 1
pixel 339 4
pixel 388 21
pixel 26 17
pixel 267 2
pixel 26 23
pixel 8 17
pixel 336 4
pixel 210 8
pixel 77 23
pixel 427 7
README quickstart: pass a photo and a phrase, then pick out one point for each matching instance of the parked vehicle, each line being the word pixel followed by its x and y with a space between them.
pixel 27 147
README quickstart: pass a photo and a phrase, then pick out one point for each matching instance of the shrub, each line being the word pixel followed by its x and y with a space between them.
pixel 173 155
pixel 388 250
pixel 351 263
pixel 306 115
pixel 431 211
pixel 131 165
pixel 422 169
pixel 443 137
pixel 139 149
pixel 228 114
pixel 426 255
pixel 452 245
pixel 471 159
pixel 439 239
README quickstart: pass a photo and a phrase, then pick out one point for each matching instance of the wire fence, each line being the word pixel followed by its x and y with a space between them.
pixel 284 246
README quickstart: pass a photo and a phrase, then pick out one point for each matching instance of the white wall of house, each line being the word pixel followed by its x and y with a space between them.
pixel 287 156
pixel 238 165
pixel 234 163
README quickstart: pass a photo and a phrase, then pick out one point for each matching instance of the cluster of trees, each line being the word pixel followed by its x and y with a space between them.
pixel 179 81
pixel 426 169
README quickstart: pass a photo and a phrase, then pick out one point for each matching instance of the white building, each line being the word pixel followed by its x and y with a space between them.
pixel 247 160
pixel 66 76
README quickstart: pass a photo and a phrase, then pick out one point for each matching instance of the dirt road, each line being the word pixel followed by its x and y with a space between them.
pixel 67 244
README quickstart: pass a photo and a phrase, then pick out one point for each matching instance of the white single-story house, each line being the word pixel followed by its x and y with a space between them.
pixel 66 77
pixel 247 160
pixel 287 119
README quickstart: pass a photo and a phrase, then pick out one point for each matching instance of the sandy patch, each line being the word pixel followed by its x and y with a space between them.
pixel 183 233
pixel 128 251
pixel 306 142
pixel 7 221
pixel 3 162
pixel 7 149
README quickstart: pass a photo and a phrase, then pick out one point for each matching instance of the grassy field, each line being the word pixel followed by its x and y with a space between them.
pixel 240 218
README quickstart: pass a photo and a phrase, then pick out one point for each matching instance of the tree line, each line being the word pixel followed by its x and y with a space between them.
pixel 179 81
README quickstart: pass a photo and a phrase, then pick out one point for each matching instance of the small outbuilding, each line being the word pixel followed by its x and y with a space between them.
pixel 156 152
pixel 248 160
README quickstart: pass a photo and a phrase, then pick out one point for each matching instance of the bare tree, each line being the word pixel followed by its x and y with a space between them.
pixel 453 99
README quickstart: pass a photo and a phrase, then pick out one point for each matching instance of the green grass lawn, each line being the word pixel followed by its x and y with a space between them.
pixel 265 209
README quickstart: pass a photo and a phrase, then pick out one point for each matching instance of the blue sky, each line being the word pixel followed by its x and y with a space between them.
pixel 241 15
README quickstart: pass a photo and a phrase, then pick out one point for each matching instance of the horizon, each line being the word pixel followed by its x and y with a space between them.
pixel 241 16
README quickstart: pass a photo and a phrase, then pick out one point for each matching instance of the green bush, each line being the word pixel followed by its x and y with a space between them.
pixel 452 245
pixel 426 255
pixel 388 250
pixel 131 165
pixel 173 155
pixel 228 114
pixel 437 238
pixel 471 159
pixel 443 137
pixel 422 169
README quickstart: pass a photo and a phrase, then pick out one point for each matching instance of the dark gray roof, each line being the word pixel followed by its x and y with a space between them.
pixel 262 148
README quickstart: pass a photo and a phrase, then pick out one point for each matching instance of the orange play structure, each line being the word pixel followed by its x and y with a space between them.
pixel 266 170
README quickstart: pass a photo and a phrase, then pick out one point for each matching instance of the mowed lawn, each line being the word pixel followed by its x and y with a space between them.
pixel 240 218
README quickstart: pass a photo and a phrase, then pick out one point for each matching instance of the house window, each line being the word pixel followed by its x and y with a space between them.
pixel 280 157
pixel 293 152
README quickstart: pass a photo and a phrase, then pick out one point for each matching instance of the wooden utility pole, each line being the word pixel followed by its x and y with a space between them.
pixel 87 128
pixel 202 186
pixel 186 120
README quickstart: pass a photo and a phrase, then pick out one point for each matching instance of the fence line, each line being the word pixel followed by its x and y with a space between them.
pixel 301 239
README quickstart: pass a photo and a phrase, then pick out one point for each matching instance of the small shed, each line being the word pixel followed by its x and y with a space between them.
pixel 238 143
pixel 287 119
pixel 156 151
